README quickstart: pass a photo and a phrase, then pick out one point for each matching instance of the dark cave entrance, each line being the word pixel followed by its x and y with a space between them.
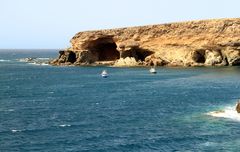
pixel 137 53
pixel 199 56
pixel 141 54
pixel 105 49
pixel 236 62
pixel 72 57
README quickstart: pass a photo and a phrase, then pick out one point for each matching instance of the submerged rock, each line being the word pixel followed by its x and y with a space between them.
pixel 195 43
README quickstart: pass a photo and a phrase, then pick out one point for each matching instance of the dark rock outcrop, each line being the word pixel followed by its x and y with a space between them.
pixel 238 107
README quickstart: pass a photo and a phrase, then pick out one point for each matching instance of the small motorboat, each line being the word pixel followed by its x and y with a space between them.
pixel 153 70
pixel 104 74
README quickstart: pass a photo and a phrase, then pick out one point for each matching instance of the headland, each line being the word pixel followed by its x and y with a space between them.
pixel 195 43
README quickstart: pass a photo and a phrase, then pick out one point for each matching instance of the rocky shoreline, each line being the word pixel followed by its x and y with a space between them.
pixel 194 43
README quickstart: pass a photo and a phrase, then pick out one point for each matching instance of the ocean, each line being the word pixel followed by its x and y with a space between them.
pixel 51 108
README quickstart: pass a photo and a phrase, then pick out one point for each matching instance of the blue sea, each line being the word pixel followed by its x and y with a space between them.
pixel 50 108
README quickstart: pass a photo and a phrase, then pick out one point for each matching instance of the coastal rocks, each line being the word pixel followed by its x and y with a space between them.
pixel 27 59
pixel 233 56
pixel 155 61
pixel 85 57
pixel 195 43
pixel 213 58
pixel 35 61
pixel 128 61
pixel 238 107
pixel 66 56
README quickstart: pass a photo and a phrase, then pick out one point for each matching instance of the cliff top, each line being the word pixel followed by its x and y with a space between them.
pixel 187 32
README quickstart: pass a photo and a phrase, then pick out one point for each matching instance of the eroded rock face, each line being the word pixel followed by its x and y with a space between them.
pixel 195 43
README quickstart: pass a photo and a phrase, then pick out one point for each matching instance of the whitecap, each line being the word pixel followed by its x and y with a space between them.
pixel 26 59
pixel 2 60
pixel 227 112
pixel 14 131
pixel 35 63
pixel 209 144
pixel 44 64
pixel 42 58
pixel 64 125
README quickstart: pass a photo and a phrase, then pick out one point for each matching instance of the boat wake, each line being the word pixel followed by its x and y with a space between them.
pixel 228 112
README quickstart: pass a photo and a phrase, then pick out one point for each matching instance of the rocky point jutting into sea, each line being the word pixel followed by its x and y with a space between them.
pixel 194 43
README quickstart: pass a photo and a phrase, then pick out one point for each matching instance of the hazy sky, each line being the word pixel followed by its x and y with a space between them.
pixel 52 23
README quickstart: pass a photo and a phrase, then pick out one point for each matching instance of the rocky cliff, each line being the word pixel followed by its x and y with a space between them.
pixel 194 43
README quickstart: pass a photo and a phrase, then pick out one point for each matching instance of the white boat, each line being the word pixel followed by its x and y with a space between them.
pixel 104 74
pixel 153 70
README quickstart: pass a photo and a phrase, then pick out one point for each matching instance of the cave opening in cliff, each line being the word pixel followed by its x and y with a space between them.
pixel 236 62
pixel 142 54
pixel 72 57
pixel 105 49
pixel 199 56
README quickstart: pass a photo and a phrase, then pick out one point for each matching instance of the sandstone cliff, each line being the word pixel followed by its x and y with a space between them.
pixel 195 43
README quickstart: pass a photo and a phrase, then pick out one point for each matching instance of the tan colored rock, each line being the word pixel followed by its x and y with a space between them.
pixel 213 58
pixel 153 60
pixel 232 55
pixel 194 43
pixel 129 61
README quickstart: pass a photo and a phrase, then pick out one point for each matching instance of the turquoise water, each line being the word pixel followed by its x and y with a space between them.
pixel 46 108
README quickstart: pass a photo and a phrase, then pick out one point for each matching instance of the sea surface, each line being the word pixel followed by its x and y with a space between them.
pixel 50 108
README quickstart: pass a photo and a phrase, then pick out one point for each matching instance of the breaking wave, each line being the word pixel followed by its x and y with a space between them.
pixel 35 63
pixel 64 125
pixel 227 112
pixel 43 58
pixel 2 60
pixel 14 131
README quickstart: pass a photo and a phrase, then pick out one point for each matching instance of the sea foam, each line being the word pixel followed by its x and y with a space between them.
pixel 42 64
pixel 2 60
pixel 227 112
pixel 14 131
pixel 64 125
pixel 43 58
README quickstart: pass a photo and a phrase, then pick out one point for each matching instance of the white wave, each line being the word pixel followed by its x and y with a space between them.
pixel 14 131
pixel 26 59
pixel 209 144
pixel 21 60
pixel 42 58
pixel 64 125
pixel 228 112
pixel 2 60
pixel 42 64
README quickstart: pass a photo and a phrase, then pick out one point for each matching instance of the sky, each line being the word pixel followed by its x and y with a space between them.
pixel 50 24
